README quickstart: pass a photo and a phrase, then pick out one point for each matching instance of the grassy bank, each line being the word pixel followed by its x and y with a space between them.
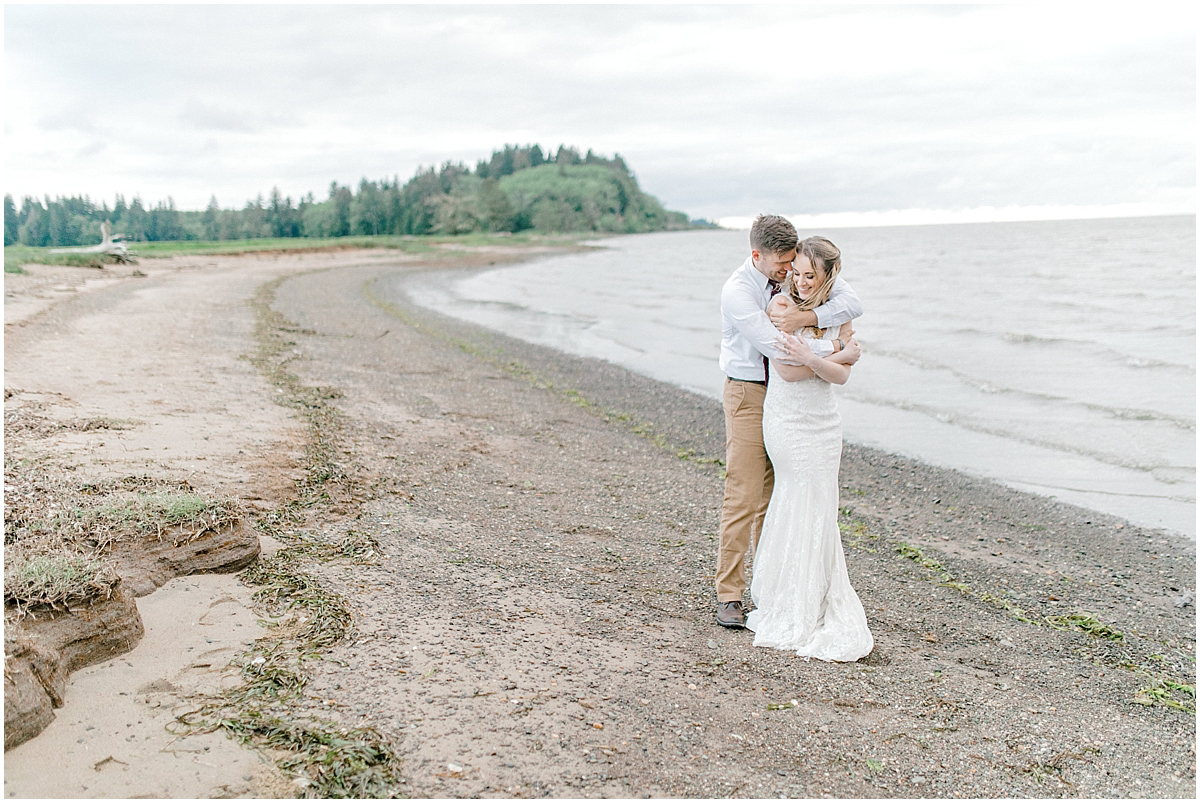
pixel 58 531
pixel 17 255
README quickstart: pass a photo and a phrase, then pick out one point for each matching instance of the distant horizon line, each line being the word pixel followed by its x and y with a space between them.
pixel 1012 213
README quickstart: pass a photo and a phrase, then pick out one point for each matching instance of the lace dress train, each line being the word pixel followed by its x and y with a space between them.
pixel 801 589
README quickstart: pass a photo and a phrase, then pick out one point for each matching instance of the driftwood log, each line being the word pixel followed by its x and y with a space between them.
pixel 109 244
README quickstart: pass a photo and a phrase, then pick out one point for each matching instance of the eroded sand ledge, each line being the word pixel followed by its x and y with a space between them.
pixel 544 568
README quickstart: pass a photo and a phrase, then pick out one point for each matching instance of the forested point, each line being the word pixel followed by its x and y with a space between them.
pixel 517 189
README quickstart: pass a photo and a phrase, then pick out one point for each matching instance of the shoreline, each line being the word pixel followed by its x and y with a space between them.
pixel 703 428
pixel 545 527
pixel 993 434
pixel 694 422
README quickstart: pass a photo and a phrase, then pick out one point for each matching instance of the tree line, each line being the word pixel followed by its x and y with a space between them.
pixel 519 188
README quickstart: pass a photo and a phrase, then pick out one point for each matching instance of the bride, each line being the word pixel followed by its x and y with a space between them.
pixel 801 590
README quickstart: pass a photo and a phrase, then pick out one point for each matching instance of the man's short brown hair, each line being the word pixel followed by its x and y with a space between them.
pixel 773 233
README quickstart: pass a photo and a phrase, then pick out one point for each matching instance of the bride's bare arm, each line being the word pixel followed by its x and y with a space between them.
pixel 796 349
pixel 792 373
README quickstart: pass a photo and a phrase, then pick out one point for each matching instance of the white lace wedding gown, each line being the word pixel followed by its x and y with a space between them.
pixel 801 590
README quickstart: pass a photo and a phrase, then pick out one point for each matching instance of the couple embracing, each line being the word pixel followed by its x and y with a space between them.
pixel 786 338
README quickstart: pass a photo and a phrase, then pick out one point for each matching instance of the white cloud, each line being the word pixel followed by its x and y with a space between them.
pixel 982 214
pixel 721 110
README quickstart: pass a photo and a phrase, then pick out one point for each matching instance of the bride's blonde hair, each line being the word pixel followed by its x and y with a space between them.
pixel 826 259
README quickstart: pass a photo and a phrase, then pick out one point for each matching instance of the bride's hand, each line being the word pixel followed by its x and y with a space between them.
pixel 794 348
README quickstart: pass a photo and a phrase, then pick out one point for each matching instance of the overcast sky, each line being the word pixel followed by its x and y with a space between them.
pixel 720 110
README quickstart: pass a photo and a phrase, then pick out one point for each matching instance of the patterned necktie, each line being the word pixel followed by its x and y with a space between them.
pixel 774 285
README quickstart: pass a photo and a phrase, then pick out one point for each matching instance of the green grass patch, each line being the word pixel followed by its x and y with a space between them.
pixel 159 511
pixel 46 513
pixel 184 515
pixel 948 580
pixel 917 556
pixel 1162 688
pixel 15 256
pixel 1169 693
pixel 427 245
pixel 171 248
pixel 55 581
pixel 855 534
pixel 56 529
pixel 1009 607
pixel 1088 623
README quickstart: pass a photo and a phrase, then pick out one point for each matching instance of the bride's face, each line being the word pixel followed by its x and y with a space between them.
pixel 804 276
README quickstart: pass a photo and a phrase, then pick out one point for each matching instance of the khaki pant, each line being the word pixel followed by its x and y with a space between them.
pixel 749 479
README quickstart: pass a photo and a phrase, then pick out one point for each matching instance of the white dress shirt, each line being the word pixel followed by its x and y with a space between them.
pixel 747 334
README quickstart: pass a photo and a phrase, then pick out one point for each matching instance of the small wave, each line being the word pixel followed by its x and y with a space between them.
pixel 950 418
pixel 1127 494
pixel 1142 362
pixel 706 329
pixel 629 346
pixel 1173 329
pixel 1107 353
pixel 1026 337
pixel 1175 475
pixel 984 386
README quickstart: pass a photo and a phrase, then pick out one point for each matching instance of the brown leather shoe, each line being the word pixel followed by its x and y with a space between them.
pixel 730 614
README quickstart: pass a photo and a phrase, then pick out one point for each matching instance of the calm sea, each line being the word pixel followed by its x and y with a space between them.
pixel 1057 357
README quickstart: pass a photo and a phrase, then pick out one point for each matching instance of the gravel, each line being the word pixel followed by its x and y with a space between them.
pixel 540 621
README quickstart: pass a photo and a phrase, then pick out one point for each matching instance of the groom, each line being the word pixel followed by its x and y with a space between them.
pixel 747 340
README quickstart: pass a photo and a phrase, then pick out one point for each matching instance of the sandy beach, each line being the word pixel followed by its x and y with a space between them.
pixel 522 543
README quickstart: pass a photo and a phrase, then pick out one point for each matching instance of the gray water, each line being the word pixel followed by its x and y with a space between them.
pixel 1057 357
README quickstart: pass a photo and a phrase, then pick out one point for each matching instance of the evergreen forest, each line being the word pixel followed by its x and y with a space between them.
pixel 519 188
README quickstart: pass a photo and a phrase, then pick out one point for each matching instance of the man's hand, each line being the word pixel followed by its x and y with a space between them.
pixel 849 354
pixel 787 317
